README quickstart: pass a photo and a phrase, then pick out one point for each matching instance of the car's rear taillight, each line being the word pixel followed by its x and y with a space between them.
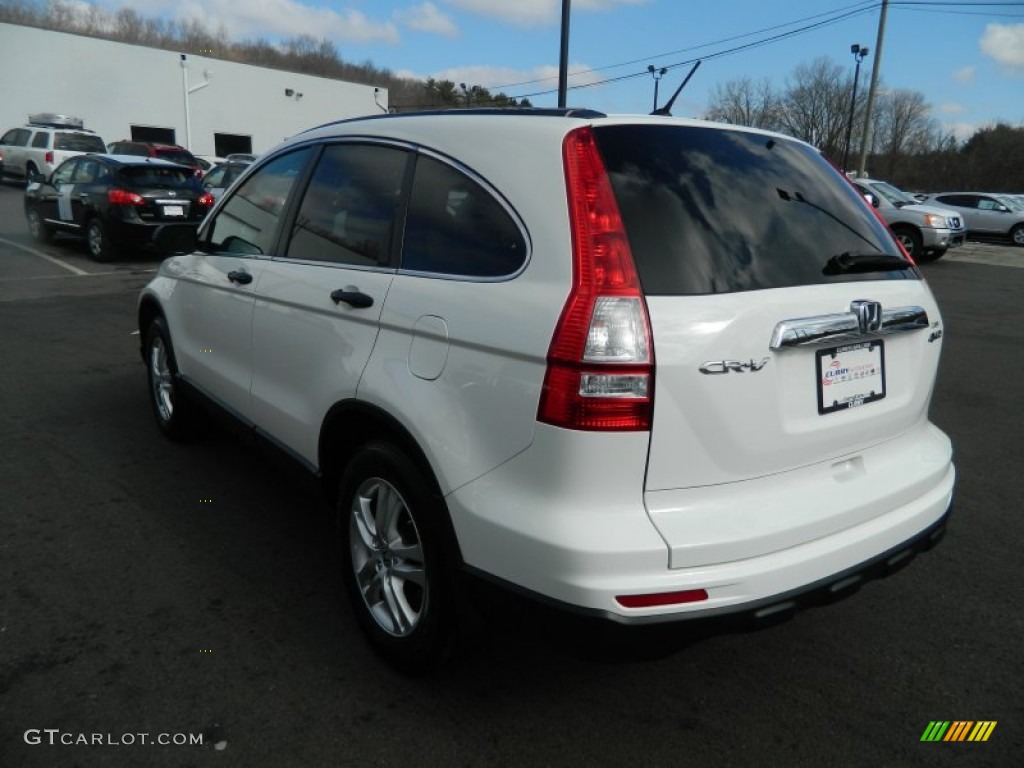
pixel 48 157
pixel 123 197
pixel 206 199
pixel 600 365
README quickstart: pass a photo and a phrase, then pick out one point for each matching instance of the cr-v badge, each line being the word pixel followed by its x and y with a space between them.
pixel 732 366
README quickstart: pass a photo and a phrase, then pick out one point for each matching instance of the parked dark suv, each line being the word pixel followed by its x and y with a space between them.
pixel 170 152
pixel 114 201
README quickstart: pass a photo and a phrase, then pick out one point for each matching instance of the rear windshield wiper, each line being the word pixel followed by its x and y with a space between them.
pixel 850 263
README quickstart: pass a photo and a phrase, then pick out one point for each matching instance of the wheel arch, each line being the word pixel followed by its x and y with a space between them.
pixel 149 309
pixel 351 424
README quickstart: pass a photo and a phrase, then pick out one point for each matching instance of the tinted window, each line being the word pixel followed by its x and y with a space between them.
pixel 156 177
pixel 88 172
pixel 78 142
pixel 456 227
pixel 961 201
pixel 41 140
pixel 347 214
pixel 713 211
pixel 988 204
pixel 63 173
pixel 248 221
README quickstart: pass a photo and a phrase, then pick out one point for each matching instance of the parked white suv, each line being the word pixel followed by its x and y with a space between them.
pixel 45 142
pixel 643 368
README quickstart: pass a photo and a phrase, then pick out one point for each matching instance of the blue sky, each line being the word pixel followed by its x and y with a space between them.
pixel 967 58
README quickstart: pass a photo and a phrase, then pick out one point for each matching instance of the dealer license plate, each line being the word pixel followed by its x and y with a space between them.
pixel 850 376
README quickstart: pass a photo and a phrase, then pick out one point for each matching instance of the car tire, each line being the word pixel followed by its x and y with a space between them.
pixel 176 416
pixel 37 227
pixel 1017 236
pixel 397 558
pixel 910 239
pixel 97 241
pixel 30 169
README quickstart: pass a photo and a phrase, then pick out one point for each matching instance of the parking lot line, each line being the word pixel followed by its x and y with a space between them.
pixel 53 260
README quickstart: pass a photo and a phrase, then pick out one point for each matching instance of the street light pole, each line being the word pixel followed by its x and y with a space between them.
pixel 858 55
pixel 657 74
pixel 189 91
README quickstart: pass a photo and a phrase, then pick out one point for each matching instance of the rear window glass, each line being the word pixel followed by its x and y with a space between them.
pixel 155 176
pixel 78 142
pixel 709 211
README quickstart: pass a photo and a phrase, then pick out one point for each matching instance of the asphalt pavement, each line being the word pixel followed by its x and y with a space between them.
pixel 157 592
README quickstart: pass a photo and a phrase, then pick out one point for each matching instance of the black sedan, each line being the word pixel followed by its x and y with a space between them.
pixel 115 201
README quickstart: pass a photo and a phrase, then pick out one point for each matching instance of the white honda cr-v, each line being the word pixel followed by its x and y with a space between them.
pixel 643 368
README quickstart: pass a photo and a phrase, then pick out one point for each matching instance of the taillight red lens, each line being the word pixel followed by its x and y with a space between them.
pixel 123 197
pixel 206 199
pixel 662 598
pixel 48 157
pixel 600 373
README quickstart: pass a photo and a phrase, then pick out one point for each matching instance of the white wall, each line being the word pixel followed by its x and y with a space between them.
pixel 112 86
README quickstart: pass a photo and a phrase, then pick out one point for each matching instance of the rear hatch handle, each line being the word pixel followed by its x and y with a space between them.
pixel 865 318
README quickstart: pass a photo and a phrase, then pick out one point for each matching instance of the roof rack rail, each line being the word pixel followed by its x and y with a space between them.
pixel 579 112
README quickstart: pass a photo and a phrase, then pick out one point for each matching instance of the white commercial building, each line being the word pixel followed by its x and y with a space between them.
pixel 126 91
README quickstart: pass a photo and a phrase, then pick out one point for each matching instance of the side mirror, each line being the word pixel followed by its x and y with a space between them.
pixel 170 239
pixel 871 199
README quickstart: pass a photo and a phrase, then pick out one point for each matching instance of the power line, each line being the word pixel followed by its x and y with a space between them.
pixel 865 5
pixel 717 54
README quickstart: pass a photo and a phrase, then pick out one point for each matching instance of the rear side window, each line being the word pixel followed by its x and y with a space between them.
pixel 41 140
pixel 247 223
pixel 456 227
pixel 348 212
pixel 709 211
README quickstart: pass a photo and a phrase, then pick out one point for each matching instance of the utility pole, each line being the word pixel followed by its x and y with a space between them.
pixel 563 59
pixel 865 143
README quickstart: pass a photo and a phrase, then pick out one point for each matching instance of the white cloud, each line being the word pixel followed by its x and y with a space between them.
pixel 964 75
pixel 273 19
pixel 952 109
pixel 962 131
pixel 427 17
pixel 533 13
pixel 1004 43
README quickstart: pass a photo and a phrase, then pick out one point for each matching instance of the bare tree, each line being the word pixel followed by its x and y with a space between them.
pixel 902 128
pixel 815 105
pixel 743 102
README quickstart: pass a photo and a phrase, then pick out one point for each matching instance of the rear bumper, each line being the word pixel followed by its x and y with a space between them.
pixel 566 522
pixel 751 615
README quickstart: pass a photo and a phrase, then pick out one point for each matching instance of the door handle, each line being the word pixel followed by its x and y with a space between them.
pixel 356 299
pixel 239 276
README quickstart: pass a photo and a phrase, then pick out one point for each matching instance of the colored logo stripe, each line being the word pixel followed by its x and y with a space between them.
pixel 935 730
pixel 982 730
pixel 958 730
